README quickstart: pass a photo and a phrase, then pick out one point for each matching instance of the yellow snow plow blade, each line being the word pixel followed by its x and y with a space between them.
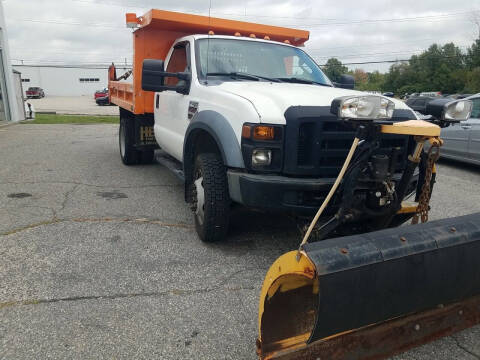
pixel 372 295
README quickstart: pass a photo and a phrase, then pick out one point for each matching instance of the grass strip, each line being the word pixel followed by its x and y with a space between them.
pixel 73 119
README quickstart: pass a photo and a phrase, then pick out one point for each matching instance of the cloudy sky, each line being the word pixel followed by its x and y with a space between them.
pixel 93 31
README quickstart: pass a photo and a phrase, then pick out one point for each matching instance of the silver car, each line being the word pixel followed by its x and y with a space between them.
pixel 462 140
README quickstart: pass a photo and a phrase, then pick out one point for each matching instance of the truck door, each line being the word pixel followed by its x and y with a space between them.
pixel 171 108
pixel 474 128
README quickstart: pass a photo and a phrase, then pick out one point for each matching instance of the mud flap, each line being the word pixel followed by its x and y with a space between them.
pixel 144 133
pixel 381 279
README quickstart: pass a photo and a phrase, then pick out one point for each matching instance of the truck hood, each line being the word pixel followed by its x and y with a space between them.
pixel 271 100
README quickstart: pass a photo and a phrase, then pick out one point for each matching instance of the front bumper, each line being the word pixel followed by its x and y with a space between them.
pixel 285 194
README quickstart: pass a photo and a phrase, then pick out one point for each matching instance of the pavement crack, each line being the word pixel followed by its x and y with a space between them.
pixel 30 226
pixel 89 185
pixel 66 198
pixel 177 292
pixel 464 348
pixel 56 220
pixel 130 220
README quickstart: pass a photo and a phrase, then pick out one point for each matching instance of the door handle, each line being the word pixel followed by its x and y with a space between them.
pixel 466 127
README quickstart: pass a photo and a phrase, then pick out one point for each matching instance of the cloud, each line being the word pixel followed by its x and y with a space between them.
pixel 89 31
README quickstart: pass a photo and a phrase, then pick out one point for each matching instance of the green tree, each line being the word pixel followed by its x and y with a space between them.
pixel 371 81
pixel 442 68
pixel 361 78
pixel 397 77
pixel 334 69
pixel 473 81
pixel 473 55
pixel 439 68
pixel 453 56
pixel 376 81
pixel 408 89
pixel 459 79
pixel 441 80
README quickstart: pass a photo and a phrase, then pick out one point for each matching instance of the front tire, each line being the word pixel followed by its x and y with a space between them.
pixel 211 198
pixel 126 139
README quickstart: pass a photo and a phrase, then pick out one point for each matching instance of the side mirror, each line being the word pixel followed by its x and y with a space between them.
pixel 447 111
pixel 153 75
pixel 183 85
pixel 345 82
pixel 153 78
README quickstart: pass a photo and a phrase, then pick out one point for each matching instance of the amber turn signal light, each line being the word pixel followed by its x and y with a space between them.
pixel 263 132
pixel 258 132
pixel 246 131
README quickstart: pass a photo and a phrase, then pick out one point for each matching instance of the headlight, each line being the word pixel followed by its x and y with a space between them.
pixel 458 111
pixel 364 107
pixel 261 157
pixel 450 111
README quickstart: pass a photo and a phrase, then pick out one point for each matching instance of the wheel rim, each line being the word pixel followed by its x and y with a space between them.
pixel 122 141
pixel 200 199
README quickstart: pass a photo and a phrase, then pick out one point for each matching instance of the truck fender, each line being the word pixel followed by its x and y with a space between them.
pixel 218 127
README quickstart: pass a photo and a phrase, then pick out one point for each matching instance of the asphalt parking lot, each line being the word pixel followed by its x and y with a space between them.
pixel 72 105
pixel 101 261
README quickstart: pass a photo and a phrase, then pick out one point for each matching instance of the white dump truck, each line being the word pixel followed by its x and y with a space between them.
pixel 243 115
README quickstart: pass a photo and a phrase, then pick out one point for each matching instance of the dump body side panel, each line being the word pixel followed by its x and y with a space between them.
pixel 121 94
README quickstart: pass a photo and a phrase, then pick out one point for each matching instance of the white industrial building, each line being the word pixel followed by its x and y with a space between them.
pixel 11 97
pixel 65 80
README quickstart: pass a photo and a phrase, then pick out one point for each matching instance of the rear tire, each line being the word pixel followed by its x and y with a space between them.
pixel 126 139
pixel 211 197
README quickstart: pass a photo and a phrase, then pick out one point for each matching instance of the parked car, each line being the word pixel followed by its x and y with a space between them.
pixel 463 96
pixel 35 93
pixel 100 93
pixel 419 103
pixel 104 100
pixel 389 94
pixel 462 140
pixel 431 94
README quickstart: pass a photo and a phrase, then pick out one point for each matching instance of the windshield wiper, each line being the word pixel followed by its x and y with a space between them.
pixel 302 81
pixel 242 75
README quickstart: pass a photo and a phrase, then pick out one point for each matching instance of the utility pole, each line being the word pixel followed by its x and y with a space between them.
pixel 475 19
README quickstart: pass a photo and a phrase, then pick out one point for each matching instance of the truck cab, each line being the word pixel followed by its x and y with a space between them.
pixel 247 120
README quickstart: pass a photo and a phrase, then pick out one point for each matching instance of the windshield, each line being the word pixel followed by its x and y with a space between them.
pixel 261 59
